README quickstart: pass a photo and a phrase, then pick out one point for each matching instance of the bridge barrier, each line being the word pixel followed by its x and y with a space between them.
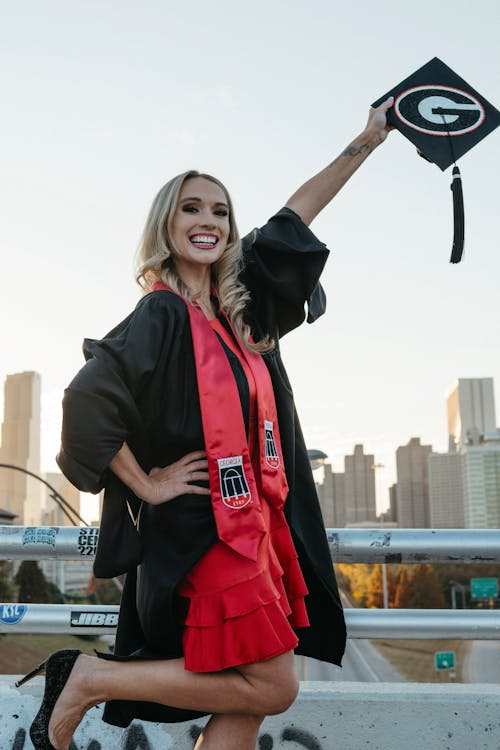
pixel 325 716
pixel 347 545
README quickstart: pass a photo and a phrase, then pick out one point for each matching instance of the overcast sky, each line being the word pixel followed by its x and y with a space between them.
pixel 103 101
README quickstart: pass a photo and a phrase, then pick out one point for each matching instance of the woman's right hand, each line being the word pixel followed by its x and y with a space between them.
pixel 173 480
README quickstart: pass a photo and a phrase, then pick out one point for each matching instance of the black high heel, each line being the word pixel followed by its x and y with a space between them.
pixel 57 670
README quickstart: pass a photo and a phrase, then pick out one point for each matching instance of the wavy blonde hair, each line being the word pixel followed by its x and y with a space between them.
pixel 156 255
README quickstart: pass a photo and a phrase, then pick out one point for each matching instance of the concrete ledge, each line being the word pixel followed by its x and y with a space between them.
pixel 326 716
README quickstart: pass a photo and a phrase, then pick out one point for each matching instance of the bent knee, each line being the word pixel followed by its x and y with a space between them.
pixel 279 695
pixel 275 684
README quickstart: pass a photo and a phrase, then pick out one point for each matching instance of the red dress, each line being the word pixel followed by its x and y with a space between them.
pixel 243 611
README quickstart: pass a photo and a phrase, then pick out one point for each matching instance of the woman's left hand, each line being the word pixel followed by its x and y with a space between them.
pixel 377 125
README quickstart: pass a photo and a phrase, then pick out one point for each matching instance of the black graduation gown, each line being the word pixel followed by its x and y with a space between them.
pixel 139 385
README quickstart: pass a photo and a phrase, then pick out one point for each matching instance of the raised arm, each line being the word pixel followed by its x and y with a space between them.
pixel 317 192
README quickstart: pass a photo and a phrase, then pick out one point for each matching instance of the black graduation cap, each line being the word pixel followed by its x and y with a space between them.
pixel 444 117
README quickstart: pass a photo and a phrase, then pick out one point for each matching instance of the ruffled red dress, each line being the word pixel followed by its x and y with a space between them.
pixel 242 611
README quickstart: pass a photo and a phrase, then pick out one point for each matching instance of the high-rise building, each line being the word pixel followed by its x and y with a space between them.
pixel 412 485
pixel 54 515
pixel 359 487
pixel 446 490
pixel 481 482
pixel 393 503
pixel 331 498
pixel 471 406
pixel 325 495
pixel 20 493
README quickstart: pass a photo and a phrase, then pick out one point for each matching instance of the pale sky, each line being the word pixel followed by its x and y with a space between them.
pixel 103 102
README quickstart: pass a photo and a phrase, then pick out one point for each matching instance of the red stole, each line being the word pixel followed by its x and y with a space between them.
pixel 234 488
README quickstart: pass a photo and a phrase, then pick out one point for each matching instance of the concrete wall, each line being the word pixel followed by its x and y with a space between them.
pixel 326 716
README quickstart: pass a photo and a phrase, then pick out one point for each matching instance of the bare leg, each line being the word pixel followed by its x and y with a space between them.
pixel 267 687
pixel 230 731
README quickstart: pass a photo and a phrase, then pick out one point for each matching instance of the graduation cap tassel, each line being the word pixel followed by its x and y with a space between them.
pixel 458 216
pixel 458 201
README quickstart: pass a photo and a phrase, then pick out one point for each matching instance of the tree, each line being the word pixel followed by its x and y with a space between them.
pixel 32 583
pixel 358 577
pixel 376 588
pixel 428 592
pixel 55 595
pixel 418 587
pixel 404 588
pixel 375 596
pixel 6 593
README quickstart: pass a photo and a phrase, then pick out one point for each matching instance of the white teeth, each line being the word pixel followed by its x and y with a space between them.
pixel 203 239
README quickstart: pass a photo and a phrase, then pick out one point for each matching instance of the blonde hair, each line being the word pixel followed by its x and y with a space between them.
pixel 156 259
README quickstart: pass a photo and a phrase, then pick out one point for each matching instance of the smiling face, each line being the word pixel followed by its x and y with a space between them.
pixel 200 226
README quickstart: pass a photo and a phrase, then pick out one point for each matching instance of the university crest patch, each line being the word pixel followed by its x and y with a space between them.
pixel 234 488
pixel 272 458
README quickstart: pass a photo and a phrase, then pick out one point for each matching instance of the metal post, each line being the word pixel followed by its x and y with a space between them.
pixel 384 568
pixel 453 598
pixel 384 585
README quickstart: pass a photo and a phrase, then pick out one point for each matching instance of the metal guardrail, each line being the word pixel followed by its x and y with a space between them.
pixel 48 542
pixel 377 545
pixel 466 624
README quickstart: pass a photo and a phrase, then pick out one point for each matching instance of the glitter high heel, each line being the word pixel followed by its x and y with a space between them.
pixel 57 669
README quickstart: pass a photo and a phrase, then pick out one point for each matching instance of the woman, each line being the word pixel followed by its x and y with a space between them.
pixel 187 393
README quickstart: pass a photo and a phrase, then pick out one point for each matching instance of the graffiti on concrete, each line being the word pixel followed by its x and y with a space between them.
pixel 301 737
pixel 20 743
pixel 136 739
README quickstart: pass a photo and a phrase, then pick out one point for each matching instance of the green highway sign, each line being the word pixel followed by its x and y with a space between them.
pixel 445 659
pixel 484 588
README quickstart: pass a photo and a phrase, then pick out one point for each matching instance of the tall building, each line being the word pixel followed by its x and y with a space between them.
pixel 359 487
pixel 446 490
pixel 471 405
pixel 331 498
pixel 412 485
pixel 54 515
pixel 481 482
pixel 19 493
pixel 392 515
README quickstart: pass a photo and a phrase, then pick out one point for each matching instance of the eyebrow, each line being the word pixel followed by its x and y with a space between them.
pixel 218 203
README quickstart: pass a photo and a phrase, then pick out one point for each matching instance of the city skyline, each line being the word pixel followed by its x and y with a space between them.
pixel 92 136
pixel 50 439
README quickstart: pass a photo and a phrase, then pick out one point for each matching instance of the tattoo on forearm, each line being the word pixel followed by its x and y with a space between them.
pixel 352 150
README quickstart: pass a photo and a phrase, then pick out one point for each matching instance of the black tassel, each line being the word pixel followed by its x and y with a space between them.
pixel 458 216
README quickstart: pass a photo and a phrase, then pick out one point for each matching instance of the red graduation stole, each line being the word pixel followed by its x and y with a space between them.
pixel 233 485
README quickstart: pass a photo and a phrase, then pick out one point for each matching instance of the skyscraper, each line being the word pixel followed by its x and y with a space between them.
pixel 471 405
pixel 359 487
pixel 481 482
pixel 54 515
pixel 20 446
pixel 412 485
pixel 393 503
pixel 446 494
pixel 331 497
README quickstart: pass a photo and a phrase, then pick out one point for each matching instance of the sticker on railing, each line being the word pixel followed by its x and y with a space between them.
pixel 87 540
pixel 93 619
pixel 10 614
pixel 40 535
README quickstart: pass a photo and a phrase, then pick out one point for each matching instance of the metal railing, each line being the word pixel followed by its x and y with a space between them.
pixel 346 545
pixel 375 545
pixel 95 619
pixel 381 545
